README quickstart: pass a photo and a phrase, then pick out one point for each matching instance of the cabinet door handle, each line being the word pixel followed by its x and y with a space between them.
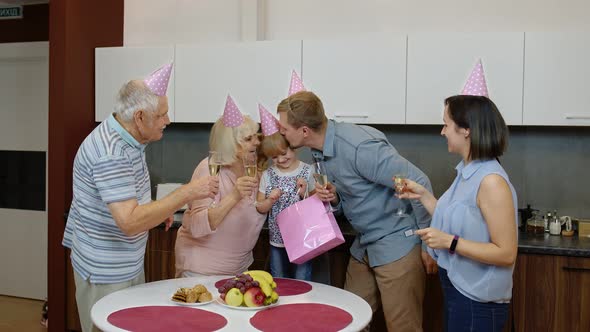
pixel 577 117
pixel 575 269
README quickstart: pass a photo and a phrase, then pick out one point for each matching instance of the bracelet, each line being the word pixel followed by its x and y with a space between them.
pixel 453 244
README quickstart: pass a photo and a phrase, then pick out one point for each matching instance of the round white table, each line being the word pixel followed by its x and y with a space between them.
pixel 160 292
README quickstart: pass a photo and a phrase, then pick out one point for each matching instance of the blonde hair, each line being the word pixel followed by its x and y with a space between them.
pixel 304 108
pixel 228 140
pixel 274 145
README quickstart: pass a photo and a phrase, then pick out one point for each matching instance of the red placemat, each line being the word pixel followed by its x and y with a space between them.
pixel 305 317
pixel 166 318
pixel 285 287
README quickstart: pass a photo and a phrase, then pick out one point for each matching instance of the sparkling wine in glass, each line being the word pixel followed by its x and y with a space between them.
pixel 250 166
pixel 214 162
pixel 251 171
pixel 399 186
pixel 321 177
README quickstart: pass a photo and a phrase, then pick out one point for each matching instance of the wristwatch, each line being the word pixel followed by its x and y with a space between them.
pixel 453 244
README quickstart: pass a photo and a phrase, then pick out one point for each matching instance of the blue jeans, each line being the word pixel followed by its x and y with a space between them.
pixel 281 267
pixel 463 314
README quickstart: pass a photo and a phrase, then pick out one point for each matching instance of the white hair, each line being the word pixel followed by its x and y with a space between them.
pixel 134 96
pixel 227 140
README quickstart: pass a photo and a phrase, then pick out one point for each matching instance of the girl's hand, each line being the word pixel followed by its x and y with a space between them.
pixel 412 190
pixel 245 186
pixel 434 238
pixel 301 187
pixel 274 195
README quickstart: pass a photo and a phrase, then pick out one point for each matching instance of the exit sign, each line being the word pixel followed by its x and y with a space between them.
pixel 7 13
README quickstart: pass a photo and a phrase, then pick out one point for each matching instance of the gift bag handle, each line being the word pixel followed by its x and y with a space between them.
pixel 306 194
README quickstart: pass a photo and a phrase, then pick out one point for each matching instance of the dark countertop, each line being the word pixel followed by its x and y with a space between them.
pixel 527 243
pixel 553 245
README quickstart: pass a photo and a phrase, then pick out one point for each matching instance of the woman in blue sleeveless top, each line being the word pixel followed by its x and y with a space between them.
pixel 473 234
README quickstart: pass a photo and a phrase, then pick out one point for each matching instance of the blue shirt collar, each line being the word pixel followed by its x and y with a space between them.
pixel 466 171
pixel 113 123
pixel 328 148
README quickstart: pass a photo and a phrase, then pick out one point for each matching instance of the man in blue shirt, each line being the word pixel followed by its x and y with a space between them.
pixel 387 265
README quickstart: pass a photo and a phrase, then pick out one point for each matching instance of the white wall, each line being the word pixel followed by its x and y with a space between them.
pixel 153 22
pixel 23 253
pixel 24 93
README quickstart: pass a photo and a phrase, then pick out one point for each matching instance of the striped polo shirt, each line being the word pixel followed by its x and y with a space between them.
pixel 109 167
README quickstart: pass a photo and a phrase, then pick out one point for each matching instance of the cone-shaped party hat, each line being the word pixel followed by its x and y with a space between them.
pixel 158 80
pixel 268 122
pixel 232 117
pixel 296 84
pixel 476 84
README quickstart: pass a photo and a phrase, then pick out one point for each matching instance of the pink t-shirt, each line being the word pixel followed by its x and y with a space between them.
pixel 226 250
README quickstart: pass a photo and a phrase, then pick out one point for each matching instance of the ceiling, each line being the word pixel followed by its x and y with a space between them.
pixel 22 2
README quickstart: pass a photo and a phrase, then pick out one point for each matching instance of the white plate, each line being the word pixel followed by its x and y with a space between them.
pixel 196 304
pixel 222 302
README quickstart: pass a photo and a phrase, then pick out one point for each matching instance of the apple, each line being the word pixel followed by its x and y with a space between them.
pixel 254 297
pixel 234 298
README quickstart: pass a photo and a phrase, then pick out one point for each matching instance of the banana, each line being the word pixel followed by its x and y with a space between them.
pixel 263 284
pixel 274 297
pixel 267 301
pixel 261 273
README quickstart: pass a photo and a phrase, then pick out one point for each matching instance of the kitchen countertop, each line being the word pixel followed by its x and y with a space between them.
pixel 527 243
pixel 553 245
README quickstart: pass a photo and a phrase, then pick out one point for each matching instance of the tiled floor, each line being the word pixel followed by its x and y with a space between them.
pixel 18 314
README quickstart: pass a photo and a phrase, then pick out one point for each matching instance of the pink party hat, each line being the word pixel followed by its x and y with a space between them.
pixel 232 117
pixel 476 84
pixel 296 84
pixel 158 80
pixel 268 122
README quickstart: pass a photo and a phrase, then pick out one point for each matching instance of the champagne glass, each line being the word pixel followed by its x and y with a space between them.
pixel 399 185
pixel 214 162
pixel 250 165
pixel 321 177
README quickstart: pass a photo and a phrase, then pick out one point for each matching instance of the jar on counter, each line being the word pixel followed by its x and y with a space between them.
pixel 535 224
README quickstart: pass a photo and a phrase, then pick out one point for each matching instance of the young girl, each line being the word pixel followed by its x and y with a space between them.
pixel 281 185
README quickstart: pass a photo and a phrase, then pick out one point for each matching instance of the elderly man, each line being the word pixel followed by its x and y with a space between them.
pixel 386 263
pixel 112 209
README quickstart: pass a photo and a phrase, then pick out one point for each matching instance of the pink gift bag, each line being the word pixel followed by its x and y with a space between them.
pixel 307 230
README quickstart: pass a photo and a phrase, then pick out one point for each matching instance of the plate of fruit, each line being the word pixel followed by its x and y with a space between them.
pixel 252 290
pixel 192 296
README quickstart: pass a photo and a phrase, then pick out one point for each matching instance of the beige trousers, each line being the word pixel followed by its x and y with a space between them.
pixel 398 287
pixel 87 294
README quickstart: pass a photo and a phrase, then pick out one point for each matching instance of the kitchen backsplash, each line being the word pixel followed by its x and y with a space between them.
pixel 546 165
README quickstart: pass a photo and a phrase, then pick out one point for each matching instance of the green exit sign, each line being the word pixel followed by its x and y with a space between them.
pixel 11 12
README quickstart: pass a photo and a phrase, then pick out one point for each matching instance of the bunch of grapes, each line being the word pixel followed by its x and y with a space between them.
pixel 243 282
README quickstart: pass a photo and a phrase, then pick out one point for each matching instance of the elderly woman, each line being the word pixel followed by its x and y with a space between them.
pixel 218 239
pixel 473 230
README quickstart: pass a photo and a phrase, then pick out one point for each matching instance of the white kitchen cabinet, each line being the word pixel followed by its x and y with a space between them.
pixel 556 79
pixel 114 66
pixel 440 63
pixel 359 80
pixel 250 72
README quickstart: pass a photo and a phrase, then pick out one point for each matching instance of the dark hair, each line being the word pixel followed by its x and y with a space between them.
pixel 489 133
